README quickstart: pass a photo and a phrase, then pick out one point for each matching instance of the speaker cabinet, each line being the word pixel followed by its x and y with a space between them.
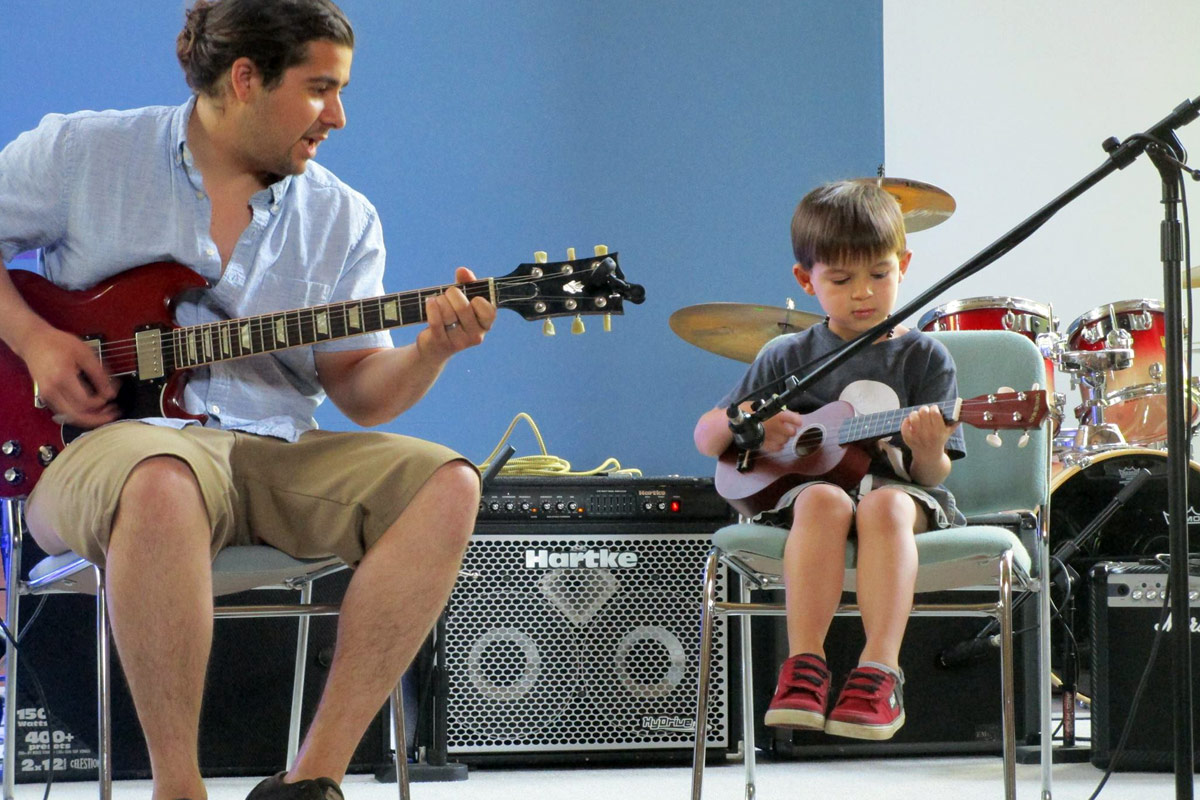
pixel 948 710
pixel 1126 611
pixel 569 640
pixel 247 698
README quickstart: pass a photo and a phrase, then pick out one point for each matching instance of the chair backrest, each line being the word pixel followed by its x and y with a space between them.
pixel 1009 478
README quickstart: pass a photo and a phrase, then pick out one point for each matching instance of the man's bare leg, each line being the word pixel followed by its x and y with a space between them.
pixel 159 578
pixel 392 602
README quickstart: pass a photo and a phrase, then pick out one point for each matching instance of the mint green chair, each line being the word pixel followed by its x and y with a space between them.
pixel 999 490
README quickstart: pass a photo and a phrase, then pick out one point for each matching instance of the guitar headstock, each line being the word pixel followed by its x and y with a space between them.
pixel 1006 409
pixel 574 287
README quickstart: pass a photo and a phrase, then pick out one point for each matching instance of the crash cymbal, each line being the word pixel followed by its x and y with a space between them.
pixel 737 330
pixel 922 204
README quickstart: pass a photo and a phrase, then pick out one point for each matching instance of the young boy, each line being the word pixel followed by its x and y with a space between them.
pixel 850 250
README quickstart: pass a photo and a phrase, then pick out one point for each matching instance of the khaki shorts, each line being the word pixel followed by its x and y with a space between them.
pixel 329 493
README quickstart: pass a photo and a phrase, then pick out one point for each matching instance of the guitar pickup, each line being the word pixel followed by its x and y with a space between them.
pixel 149 354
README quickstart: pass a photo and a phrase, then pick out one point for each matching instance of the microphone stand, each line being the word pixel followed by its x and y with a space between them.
pixel 1165 160
pixel 748 432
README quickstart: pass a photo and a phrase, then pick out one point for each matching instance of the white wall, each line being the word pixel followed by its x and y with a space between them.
pixel 1004 105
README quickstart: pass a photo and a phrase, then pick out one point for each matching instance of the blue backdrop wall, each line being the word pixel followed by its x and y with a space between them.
pixel 680 134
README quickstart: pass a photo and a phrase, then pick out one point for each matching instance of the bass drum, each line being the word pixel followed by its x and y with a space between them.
pixel 1139 529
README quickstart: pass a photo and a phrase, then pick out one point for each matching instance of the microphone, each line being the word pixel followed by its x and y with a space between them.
pixel 964 653
pixel 748 431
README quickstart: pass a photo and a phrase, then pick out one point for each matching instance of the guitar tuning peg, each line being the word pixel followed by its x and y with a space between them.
pixel 570 254
pixel 548 328
pixel 600 249
pixel 608 323
pixel 1004 390
pixel 1036 386
pixel 993 439
pixel 1024 440
pixel 540 257
pixel 577 324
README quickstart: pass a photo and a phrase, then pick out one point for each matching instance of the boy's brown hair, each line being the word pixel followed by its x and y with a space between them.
pixel 846 221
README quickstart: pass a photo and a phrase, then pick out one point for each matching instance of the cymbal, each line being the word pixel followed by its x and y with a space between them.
pixel 922 204
pixel 1194 277
pixel 737 330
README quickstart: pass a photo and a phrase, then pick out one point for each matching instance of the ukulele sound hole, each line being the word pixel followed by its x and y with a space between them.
pixel 808 442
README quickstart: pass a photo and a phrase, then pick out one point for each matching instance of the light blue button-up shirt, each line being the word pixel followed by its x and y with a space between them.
pixel 101 192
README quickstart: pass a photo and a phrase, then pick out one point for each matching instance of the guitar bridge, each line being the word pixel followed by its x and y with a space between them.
pixel 745 461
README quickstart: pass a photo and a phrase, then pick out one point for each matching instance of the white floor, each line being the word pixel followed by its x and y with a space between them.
pixel 974 777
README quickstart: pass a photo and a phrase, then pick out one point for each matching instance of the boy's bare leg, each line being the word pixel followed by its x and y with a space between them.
pixel 814 562
pixel 392 602
pixel 887 570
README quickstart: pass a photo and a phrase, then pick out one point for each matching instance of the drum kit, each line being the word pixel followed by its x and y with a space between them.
pixel 1114 355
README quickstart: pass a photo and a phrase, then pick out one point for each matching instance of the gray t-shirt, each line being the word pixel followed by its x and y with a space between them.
pixel 910 370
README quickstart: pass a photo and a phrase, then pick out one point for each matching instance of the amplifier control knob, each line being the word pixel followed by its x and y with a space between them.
pixel 494 506
pixel 46 454
pixel 560 506
pixel 14 476
pixel 509 506
pixel 524 506
pixel 11 448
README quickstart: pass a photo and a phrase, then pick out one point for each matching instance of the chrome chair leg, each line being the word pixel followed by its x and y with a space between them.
pixel 704 677
pixel 1008 712
pixel 13 535
pixel 103 687
pixel 748 744
pixel 302 624
pixel 400 753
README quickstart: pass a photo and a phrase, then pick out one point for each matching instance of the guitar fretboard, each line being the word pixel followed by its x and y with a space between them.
pixel 196 345
pixel 885 423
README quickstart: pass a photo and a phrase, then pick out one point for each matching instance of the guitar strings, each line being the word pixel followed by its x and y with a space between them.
pixel 409 301
pixel 870 425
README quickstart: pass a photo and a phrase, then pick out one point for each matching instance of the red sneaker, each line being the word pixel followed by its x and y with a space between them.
pixel 801 694
pixel 871 706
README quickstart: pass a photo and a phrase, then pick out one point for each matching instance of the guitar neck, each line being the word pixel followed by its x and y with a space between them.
pixel 196 345
pixel 887 423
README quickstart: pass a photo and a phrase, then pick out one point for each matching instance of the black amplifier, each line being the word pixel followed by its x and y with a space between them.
pixel 572 634
pixel 1126 609
pixel 599 498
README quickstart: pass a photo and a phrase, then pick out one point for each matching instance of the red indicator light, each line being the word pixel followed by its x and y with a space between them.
pixel 674 505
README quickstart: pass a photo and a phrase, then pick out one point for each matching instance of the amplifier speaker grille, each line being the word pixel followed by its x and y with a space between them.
pixel 569 642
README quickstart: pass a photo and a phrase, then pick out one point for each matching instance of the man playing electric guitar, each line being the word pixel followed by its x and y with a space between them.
pixel 226 184
pixel 849 244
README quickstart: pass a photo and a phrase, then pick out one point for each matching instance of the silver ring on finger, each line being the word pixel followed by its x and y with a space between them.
pixel 451 326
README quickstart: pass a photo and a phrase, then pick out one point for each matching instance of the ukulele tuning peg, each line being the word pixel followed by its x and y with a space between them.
pixel 548 328
pixel 1035 387
pixel 1004 390
pixel 1024 440
pixel 600 250
pixel 993 439
pixel 608 323
pixel 577 325
pixel 540 257
pixel 570 254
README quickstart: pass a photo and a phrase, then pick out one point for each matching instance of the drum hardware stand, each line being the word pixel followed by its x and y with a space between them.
pixel 748 431
pixel 1089 368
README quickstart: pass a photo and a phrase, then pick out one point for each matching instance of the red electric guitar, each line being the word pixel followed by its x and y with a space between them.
pixel 829 445
pixel 129 320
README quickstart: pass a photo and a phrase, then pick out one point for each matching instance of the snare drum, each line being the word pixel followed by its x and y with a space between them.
pixel 1136 397
pixel 1026 317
